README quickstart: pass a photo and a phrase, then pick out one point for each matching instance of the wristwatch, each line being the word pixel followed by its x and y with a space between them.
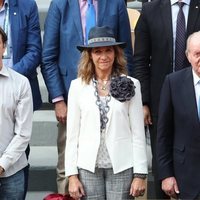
pixel 142 176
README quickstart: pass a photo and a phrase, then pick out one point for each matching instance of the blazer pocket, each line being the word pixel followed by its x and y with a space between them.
pixel 179 154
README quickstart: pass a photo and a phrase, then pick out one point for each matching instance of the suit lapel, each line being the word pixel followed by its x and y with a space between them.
pixel 101 11
pixel 193 15
pixel 165 8
pixel 188 90
pixel 74 6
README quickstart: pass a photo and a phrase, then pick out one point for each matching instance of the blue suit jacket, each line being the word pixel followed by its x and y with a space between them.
pixel 26 42
pixel 63 32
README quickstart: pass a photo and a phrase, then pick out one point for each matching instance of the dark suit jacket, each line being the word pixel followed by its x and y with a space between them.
pixel 63 32
pixel 178 142
pixel 26 42
pixel 153 51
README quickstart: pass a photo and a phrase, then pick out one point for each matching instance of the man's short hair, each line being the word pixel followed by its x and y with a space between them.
pixel 3 35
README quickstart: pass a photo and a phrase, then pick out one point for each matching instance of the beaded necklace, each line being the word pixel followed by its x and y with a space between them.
pixel 102 109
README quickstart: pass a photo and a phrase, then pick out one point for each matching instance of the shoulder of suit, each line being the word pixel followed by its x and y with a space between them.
pixel 23 5
pixel 60 2
pixel 180 72
pixel 20 2
pixel 179 75
pixel 152 4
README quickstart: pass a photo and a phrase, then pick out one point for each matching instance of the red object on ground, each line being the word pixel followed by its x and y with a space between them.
pixel 58 197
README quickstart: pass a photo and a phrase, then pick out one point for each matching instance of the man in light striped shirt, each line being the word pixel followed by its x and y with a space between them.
pixel 16 111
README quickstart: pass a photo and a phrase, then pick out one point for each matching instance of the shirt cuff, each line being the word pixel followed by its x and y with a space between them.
pixel 57 99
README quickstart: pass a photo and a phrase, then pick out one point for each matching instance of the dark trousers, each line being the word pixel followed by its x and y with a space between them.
pixel 26 172
pixel 12 187
pixel 159 194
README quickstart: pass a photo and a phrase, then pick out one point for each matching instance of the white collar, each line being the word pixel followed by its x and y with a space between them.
pixel 196 78
pixel 4 71
pixel 176 1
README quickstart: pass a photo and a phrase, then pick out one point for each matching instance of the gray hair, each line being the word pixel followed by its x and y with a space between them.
pixel 195 35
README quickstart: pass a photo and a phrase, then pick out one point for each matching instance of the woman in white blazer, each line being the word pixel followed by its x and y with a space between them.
pixel 105 155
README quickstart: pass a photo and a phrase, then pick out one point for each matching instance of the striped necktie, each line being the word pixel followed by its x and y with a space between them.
pixel 90 18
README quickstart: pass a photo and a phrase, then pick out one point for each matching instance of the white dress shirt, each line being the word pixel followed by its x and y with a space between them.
pixel 16 112
pixel 196 80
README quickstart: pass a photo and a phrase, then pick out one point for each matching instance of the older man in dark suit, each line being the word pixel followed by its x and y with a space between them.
pixel 178 139
pixel 155 53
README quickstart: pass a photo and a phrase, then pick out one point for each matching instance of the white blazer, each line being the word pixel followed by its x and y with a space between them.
pixel 125 136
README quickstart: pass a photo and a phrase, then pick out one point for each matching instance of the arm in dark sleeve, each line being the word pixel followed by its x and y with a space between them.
pixel 51 51
pixel 165 133
pixel 142 55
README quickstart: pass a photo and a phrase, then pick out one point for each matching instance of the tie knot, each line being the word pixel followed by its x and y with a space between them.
pixel 180 4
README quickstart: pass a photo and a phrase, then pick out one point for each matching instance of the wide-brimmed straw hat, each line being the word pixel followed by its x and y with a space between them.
pixel 101 37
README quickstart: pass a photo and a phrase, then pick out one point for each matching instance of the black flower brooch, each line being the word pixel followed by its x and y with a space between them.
pixel 122 88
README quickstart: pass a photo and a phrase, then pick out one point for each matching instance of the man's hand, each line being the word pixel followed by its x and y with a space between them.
pixel 170 187
pixel 147 115
pixel 61 111
pixel 1 170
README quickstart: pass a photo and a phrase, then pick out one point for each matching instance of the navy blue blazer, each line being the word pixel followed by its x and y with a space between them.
pixel 178 136
pixel 26 42
pixel 63 32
